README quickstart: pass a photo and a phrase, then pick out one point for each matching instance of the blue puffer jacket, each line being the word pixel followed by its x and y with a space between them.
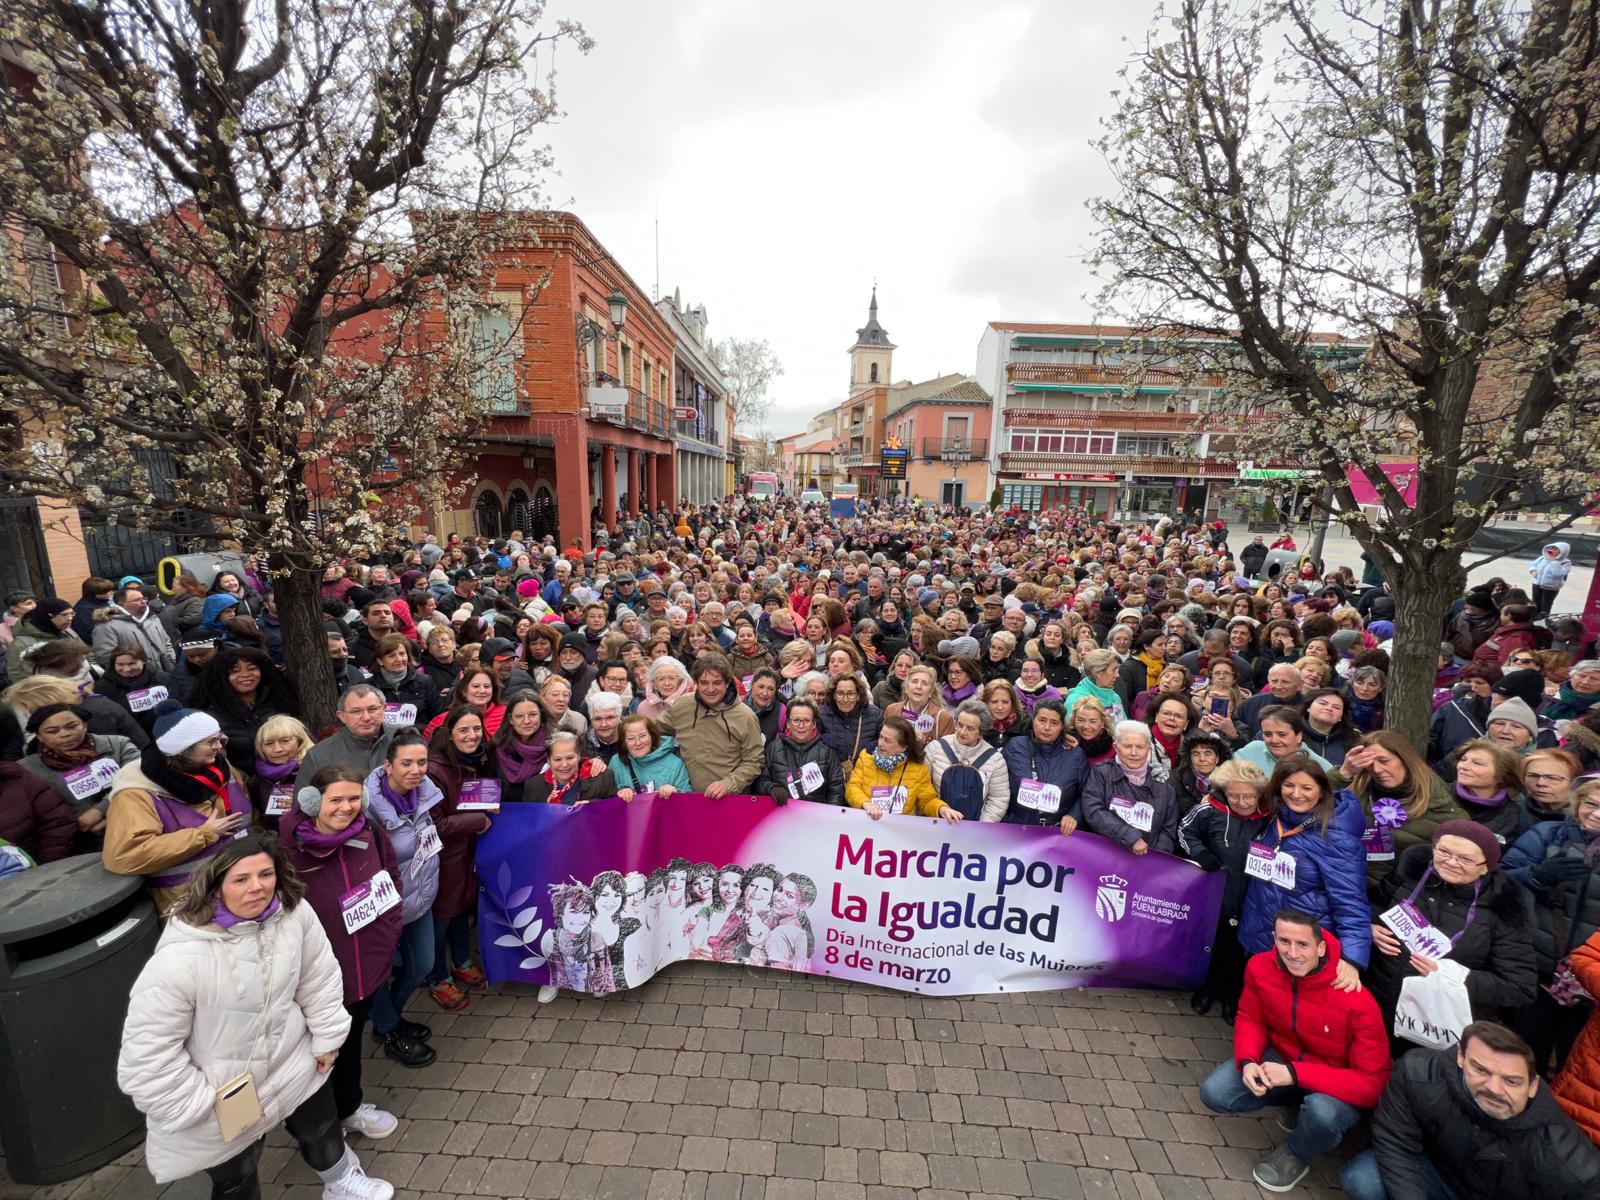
pixel 1330 880
pixel 1549 860
pixel 419 882
pixel 1066 767
pixel 662 767
pixel 848 734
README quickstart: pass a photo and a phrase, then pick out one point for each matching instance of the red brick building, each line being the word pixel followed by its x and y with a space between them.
pixel 546 461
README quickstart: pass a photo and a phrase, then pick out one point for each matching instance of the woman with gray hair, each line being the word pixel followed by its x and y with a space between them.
pixel 966 750
pixel 1124 801
pixel 1578 694
pixel 668 683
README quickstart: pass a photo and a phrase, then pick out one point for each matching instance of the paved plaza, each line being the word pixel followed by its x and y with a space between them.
pixel 719 1083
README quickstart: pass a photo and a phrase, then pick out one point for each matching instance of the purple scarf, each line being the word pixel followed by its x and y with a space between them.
pixel 276 774
pixel 520 761
pixel 1494 801
pixel 226 919
pixel 954 696
pixel 307 834
pixel 404 805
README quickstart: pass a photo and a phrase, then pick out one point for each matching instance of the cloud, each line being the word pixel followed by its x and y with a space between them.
pixel 793 154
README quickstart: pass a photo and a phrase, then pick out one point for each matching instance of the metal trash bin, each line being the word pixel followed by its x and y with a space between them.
pixel 73 938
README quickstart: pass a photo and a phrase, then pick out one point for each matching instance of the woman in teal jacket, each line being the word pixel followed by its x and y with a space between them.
pixel 646 761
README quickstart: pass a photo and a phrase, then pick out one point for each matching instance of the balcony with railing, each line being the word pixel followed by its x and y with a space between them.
pixel 856 429
pixel 852 458
pixel 1118 464
pixel 1084 375
pixel 955 449
pixel 1131 421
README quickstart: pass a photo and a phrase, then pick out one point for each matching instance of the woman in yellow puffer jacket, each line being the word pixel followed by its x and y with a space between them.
pixel 894 779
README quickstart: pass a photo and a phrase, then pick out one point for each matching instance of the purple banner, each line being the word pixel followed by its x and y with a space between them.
pixel 599 897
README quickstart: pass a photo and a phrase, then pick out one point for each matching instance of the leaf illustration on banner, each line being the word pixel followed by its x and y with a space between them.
pixel 518 897
pixel 503 877
pixel 523 917
pixel 510 941
pixel 532 961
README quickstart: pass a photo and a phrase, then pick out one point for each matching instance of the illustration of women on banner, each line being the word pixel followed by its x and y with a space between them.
pixel 578 956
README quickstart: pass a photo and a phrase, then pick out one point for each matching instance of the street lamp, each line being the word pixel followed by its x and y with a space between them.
pixel 618 304
pixel 590 331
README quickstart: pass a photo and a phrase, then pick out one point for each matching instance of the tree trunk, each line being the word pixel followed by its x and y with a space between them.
pixel 305 646
pixel 1421 600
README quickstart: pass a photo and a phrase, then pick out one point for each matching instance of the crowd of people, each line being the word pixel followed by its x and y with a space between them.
pixel 1434 909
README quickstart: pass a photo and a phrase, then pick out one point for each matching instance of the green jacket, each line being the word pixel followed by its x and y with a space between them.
pixel 722 743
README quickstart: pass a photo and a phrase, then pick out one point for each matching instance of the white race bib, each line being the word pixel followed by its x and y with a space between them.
pixel 1416 933
pixel 92 779
pixel 1270 865
pixel 922 722
pixel 428 843
pixel 399 714
pixel 811 778
pixel 363 905
pixel 1141 814
pixel 890 799
pixel 1039 796
pixel 145 699
pixel 279 799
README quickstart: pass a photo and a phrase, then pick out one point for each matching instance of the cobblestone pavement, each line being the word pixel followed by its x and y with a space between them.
pixel 718 1083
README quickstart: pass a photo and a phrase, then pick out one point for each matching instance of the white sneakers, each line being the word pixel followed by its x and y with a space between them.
pixel 371 1121
pixel 356 1184
pixel 548 993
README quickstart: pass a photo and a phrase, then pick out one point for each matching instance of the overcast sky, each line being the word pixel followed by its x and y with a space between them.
pixel 795 152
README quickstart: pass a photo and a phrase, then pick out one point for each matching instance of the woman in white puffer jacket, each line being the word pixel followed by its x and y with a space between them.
pixel 243 979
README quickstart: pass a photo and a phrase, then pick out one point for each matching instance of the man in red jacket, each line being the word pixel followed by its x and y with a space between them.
pixel 1302 1045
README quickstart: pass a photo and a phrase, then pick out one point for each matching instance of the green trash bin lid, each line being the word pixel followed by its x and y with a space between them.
pixel 56 895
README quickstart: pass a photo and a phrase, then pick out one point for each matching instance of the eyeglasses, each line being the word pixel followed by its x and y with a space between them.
pixel 1519 660
pixel 1458 860
pixel 1538 777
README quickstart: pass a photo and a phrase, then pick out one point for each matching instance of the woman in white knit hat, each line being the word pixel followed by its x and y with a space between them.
pixel 177 806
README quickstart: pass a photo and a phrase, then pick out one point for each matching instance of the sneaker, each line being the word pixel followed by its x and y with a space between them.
pixel 370 1121
pixel 1288 1117
pixel 470 976
pixel 407 1052
pixel 356 1184
pixel 548 992
pixel 1280 1170
pixel 448 996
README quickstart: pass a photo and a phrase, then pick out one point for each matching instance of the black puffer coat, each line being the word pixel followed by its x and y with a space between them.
pixel 1426 1111
pixel 787 757
pixel 848 734
pixel 1497 948
pixel 415 689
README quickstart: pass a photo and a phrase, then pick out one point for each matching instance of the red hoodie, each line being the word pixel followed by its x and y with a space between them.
pixel 1334 1042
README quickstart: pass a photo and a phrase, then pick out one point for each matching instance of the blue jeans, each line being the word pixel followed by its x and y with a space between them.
pixel 1323 1120
pixel 1361 1181
pixel 452 946
pixel 413 959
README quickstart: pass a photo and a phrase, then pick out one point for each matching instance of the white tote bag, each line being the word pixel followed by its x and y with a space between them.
pixel 1434 1009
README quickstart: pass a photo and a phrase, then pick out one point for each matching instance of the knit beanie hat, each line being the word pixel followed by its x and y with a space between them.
pixel 1478 835
pixel 1526 685
pixel 1483 601
pixel 1516 709
pixel 176 728
pixel 1346 640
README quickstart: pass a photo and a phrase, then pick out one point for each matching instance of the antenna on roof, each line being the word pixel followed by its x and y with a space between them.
pixel 657 288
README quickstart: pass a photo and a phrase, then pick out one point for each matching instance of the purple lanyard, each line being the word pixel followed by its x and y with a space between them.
pixel 1472 909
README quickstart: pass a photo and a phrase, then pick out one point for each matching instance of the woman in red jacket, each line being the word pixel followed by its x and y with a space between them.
pixel 352 884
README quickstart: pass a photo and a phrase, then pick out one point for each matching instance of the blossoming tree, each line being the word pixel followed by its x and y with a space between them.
pixel 1419 179
pixel 246 242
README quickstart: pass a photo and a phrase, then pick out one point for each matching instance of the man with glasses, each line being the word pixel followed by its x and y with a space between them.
pixel 362 742
pixel 1472 1123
